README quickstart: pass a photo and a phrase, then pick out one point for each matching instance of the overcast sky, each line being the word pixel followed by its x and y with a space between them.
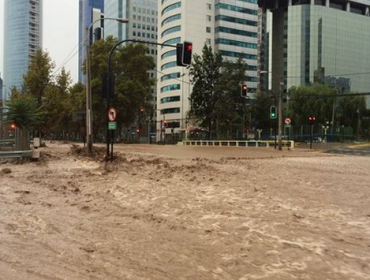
pixel 60 33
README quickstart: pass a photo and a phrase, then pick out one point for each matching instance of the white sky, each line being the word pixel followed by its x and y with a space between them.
pixel 60 34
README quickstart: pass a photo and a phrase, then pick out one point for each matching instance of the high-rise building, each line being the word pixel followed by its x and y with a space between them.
pixel 1 91
pixel 229 27
pixel 89 11
pixel 326 41
pixel 142 26
pixel 23 37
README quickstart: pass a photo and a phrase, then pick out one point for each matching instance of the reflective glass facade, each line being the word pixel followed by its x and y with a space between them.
pixel 115 9
pixel 22 38
pixel 329 46
pixel 89 10
pixel 1 89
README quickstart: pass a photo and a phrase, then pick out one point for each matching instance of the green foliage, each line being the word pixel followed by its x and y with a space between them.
pixel 56 104
pixel 38 77
pixel 261 111
pixel 315 100
pixel 215 102
pixel 312 100
pixel 23 111
pixel 132 85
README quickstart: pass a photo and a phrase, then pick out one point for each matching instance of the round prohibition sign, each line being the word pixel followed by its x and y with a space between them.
pixel 112 114
pixel 288 121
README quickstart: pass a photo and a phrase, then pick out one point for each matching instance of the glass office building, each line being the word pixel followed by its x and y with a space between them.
pixel 89 11
pixel 22 38
pixel 326 41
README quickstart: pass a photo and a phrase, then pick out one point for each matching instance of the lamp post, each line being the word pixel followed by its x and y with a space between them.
pixel 325 128
pixel 280 114
pixel 89 122
pixel 279 110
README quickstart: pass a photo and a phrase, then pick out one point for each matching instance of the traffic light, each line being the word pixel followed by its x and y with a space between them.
pixel 273 112
pixel 184 53
pixel 12 126
pixel 165 123
pixel 138 131
pixel 187 51
pixel 141 111
pixel 311 119
pixel 244 90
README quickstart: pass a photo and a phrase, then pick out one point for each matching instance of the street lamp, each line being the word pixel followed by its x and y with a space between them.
pixel 279 110
pixel 325 128
pixel 89 122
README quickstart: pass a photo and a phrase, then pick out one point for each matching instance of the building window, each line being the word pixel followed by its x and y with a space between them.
pixel 168 54
pixel 171 18
pixel 209 18
pixel 208 29
pixel 171 30
pixel 170 111
pixel 171 7
pixel 236 31
pixel 209 6
pixel 172 41
pixel 170 76
pixel 208 41
pixel 169 65
pixel 170 99
pixel 170 87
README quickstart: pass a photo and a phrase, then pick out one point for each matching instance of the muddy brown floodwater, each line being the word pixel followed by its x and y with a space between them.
pixel 172 212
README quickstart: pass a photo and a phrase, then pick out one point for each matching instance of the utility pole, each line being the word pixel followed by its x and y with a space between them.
pixel 89 142
pixel 280 114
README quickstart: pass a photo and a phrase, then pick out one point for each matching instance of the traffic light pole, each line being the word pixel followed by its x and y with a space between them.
pixel 110 138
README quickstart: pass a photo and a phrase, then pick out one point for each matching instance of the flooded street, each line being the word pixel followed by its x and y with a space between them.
pixel 174 212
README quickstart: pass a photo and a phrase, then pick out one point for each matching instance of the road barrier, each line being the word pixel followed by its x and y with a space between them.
pixel 15 154
pixel 236 143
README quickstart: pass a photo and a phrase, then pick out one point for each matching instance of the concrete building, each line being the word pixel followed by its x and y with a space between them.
pixel 229 27
pixel 23 37
pixel 325 41
pixel 89 11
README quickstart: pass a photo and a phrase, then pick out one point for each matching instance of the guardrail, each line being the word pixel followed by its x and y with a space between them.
pixel 15 154
pixel 236 143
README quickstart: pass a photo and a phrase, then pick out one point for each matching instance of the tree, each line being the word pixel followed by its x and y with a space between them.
pixel 39 76
pixel 312 100
pixel 205 73
pixel 56 104
pixel 215 102
pixel 130 66
pixel 261 111
pixel 23 112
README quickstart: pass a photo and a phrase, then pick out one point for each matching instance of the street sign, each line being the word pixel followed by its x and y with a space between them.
pixel 287 121
pixel 112 114
pixel 112 125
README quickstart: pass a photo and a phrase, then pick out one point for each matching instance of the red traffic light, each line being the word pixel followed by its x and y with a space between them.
pixel 138 131
pixel 13 126
pixel 244 90
pixel 311 118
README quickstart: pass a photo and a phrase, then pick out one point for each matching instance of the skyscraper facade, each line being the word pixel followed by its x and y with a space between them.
pixel 89 11
pixel 324 41
pixel 1 91
pixel 23 37
pixel 229 27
